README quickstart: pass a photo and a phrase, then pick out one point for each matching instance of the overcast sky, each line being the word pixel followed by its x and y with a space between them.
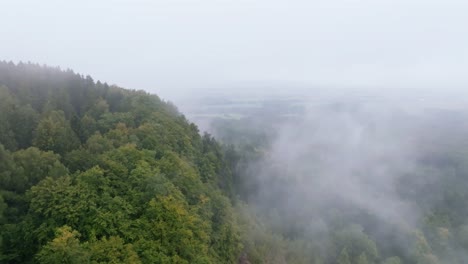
pixel 174 46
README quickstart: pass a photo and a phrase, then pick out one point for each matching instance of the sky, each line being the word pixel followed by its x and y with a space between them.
pixel 181 47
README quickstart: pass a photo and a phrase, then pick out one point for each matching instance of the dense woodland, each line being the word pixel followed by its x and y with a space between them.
pixel 92 173
pixel 95 173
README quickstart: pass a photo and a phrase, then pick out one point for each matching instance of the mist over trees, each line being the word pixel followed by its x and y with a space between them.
pixel 93 173
pixel 356 181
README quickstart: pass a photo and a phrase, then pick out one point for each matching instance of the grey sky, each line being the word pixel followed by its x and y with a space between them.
pixel 173 46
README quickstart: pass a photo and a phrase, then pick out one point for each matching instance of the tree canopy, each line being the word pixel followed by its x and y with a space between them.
pixel 92 173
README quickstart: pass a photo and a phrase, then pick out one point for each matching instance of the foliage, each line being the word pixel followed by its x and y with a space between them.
pixel 92 173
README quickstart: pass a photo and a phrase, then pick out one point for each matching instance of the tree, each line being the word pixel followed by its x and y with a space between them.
pixel 99 108
pixel 343 258
pixel 113 250
pixel 392 260
pixel 64 248
pixel 55 133
pixel 422 250
pixel 177 229
pixel 98 144
pixel 61 201
pixel 7 104
pixel 33 165
pixel 24 121
pixel 3 207
pixel 7 168
pixel 356 242
pixel 362 259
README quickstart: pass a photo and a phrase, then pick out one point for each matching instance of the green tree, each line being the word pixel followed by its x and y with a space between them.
pixel 64 248
pixel 99 108
pixel 177 229
pixel 57 202
pixel 7 169
pixel 24 121
pixel 422 250
pixel 33 165
pixel 7 104
pixel 362 259
pixel 97 144
pixel 55 133
pixel 343 258
pixel 113 250
pixel 392 260
pixel 356 242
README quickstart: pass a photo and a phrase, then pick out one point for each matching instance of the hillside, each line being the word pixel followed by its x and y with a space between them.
pixel 100 174
pixel 92 173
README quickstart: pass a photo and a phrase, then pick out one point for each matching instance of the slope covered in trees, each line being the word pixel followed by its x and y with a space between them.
pixel 92 173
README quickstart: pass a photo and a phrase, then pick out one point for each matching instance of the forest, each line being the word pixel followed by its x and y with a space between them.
pixel 92 173
pixel 95 173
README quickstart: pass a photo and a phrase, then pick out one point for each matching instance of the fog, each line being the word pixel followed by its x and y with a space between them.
pixel 385 161
pixel 353 156
pixel 183 47
pixel 382 86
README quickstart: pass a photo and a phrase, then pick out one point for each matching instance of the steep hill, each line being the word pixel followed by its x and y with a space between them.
pixel 100 174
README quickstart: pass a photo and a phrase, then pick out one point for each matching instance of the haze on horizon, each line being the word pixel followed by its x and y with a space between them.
pixel 183 47
pixel 340 135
